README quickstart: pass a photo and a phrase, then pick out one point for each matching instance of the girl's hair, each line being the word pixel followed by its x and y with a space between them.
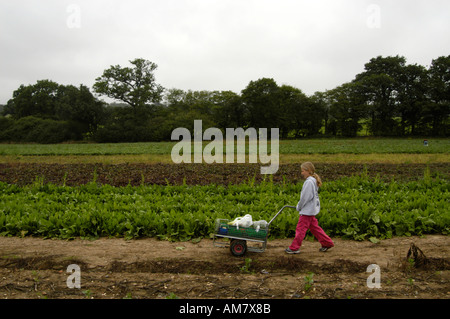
pixel 308 166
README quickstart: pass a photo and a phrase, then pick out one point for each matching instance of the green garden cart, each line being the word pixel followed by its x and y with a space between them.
pixel 239 236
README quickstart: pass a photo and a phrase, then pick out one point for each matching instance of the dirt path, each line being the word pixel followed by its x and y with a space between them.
pixel 148 268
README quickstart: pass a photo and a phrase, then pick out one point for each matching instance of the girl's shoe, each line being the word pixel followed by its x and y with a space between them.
pixel 290 251
pixel 324 249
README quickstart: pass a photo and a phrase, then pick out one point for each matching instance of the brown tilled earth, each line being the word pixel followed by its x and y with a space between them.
pixel 149 268
pixel 202 174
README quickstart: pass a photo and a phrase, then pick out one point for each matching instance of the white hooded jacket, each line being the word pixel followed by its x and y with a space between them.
pixel 309 203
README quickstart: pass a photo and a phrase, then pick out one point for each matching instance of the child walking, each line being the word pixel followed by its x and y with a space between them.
pixel 308 207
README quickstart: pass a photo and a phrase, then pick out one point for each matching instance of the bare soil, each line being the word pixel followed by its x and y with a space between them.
pixel 153 269
pixel 136 174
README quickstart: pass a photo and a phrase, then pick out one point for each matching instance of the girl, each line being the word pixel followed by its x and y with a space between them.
pixel 308 207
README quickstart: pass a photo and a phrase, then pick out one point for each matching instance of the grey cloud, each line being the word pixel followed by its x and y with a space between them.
pixel 215 44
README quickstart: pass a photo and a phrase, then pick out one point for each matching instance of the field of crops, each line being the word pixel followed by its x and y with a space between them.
pixel 152 221
pixel 356 207
pixel 307 146
pixel 181 202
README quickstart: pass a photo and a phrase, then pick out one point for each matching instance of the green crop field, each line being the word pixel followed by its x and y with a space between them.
pixel 307 146
pixel 354 205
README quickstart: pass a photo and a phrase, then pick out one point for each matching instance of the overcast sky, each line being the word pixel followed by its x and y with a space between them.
pixel 215 44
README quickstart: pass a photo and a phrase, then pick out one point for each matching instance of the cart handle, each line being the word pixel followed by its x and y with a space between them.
pixel 280 212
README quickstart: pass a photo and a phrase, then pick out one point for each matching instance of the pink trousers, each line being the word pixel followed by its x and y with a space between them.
pixel 309 222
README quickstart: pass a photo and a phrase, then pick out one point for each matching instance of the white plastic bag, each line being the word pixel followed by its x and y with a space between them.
pixel 245 221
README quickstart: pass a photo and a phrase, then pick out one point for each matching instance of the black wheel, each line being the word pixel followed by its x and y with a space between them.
pixel 238 247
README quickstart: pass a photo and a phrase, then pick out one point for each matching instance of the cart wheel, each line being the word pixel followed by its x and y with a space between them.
pixel 238 247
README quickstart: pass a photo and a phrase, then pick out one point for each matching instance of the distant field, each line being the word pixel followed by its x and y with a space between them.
pixel 307 146
pixel 392 158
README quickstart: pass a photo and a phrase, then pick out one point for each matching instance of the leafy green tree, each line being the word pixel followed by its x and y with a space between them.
pixel 78 104
pixel 135 86
pixel 38 100
pixel 438 110
pixel 346 109
pixel 412 98
pixel 75 108
pixel 380 85
pixel 183 107
pixel 262 102
pixel 290 107
pixel 322 100
pixel 228 110
pixel 298 113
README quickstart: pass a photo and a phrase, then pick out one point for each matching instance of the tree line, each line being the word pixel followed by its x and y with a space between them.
pixel 389 98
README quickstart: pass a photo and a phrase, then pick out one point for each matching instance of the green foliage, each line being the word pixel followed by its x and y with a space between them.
pixel 135 86
pixel 356 208
pixel 47 112
pixel 389 98
pixel 245 269
pixel 303 146
pixel 309 281
pixel 38 130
